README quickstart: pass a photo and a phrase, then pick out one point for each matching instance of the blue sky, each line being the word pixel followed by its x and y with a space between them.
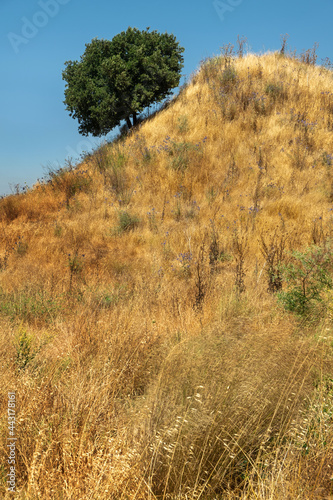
pixel 38 36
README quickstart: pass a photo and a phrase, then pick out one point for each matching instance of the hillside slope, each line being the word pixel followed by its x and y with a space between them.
pixel 157 346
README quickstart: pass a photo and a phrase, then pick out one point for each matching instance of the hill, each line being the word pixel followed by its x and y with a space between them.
pixel 166 305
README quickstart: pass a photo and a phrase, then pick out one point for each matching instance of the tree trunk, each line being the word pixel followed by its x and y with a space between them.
pixel 134 118
pixel 128 121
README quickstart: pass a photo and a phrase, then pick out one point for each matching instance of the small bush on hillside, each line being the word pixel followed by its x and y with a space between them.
pixel 308 277
pixel 115 174
pixel 183 124
pixel 273 253
pixel 210 68
pixel 24 350
pixel 227 53
pixel 10 208
pixel 126 221
pixel 284 44
pixel 229 76
pixel 68 180
pixel 241 41
pixel 180 153
pixel 101 161
pixel 309 56
pixel 274 90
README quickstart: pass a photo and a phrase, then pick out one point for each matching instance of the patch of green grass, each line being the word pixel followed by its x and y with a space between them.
pixel 180 154
pixel 183 126
pixel 108 298
pixel 24 350
pixel 126 222
pixel 274 90
pixel 29 306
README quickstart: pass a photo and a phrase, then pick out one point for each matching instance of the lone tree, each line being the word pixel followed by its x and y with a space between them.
pixel 115 80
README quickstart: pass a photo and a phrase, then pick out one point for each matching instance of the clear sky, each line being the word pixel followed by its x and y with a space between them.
pixel 38 36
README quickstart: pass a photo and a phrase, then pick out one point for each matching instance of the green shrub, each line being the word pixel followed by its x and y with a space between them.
pixel 24 350
pixel 183 124
pixel 229 76
pixel 274 90
pixel 181 154
pixel 127 221
pixel 308 278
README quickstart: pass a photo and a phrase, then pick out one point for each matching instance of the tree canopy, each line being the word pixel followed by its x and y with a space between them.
pixel 117 79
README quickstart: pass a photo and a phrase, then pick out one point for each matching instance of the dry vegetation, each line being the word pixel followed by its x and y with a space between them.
pixel 140 324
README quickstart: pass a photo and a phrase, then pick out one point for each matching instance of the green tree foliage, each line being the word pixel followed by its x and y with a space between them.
pixel 115 80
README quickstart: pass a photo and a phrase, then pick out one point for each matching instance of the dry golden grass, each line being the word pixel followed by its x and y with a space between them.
pixel 148 357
